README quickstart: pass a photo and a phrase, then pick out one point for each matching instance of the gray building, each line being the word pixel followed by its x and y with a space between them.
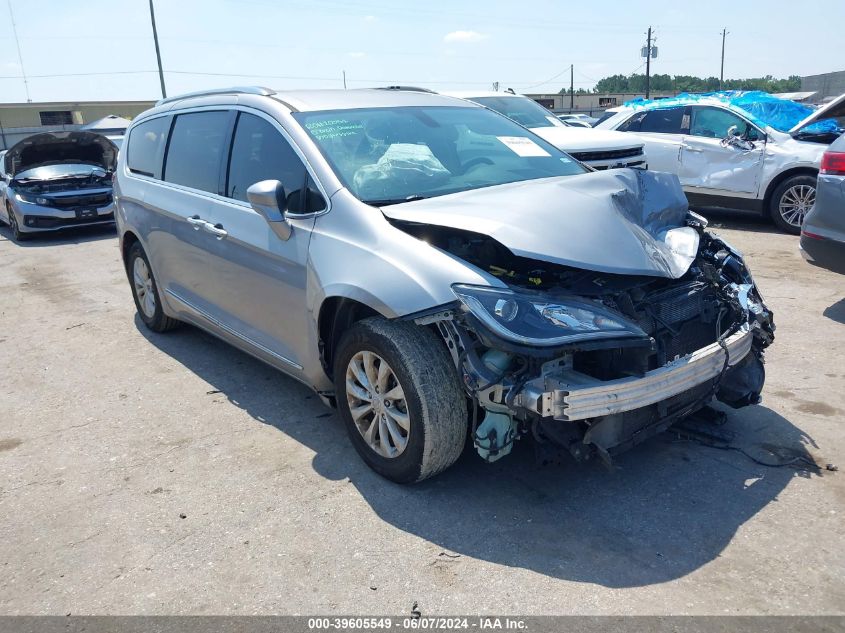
pixel 19 120
pixel 825 86
pixel 590 103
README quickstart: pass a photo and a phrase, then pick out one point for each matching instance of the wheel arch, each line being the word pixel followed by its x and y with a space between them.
pixel 775 182
pixel 336 315
pixel 126 242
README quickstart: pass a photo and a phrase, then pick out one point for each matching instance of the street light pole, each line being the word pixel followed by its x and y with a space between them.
pixel 647 64
pixel 722 73
pixel 20 55
pixel 158 51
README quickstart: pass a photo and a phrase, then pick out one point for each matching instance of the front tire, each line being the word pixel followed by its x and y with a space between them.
pixel 17 234
pixel 145 291
pixel 400 398
pixel 791 201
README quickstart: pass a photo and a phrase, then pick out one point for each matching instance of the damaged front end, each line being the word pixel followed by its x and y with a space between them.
pixel 594 363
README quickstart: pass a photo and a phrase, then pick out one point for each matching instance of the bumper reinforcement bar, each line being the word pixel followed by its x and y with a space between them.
pixel 569 395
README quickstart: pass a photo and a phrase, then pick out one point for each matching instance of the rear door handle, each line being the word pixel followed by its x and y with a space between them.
pixel 196 221
pixel 216 229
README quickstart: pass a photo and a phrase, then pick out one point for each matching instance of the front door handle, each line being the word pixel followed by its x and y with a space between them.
pixel 216 229
pixel 688 148
pixel 196 221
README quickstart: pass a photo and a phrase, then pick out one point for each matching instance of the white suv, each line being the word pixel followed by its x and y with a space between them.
pixel 726 158
pixel 599 149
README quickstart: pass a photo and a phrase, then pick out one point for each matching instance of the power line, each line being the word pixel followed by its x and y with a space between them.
pixel 547 80
pixel 92 74
pixel 200 73
pixel 20 56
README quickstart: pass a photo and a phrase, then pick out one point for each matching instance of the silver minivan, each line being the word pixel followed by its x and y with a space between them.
pixel 432 268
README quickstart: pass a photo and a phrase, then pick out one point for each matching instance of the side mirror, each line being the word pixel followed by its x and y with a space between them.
pixel 733 132
pixel 269 199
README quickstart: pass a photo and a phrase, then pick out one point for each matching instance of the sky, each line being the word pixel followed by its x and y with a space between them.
pixel 103 49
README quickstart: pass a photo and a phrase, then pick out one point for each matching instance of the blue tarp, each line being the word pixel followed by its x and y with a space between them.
pixel 761 107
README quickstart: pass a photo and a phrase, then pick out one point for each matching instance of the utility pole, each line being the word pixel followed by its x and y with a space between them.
pixel 647 64
pixel 571 87
pixel 722 73
pixel 158 51
pixel 344 80
pixel 20 56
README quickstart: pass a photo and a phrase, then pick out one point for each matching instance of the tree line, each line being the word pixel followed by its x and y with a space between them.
pixel 635 83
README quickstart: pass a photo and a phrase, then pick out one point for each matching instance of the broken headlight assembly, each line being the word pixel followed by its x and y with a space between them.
pixel 534 320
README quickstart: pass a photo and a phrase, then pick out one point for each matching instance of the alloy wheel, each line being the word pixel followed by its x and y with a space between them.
pixel 377 404
pixel 795 203
pixel 142 281
pixel 13 221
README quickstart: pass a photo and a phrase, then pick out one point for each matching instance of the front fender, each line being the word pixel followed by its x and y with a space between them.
pixel 355 253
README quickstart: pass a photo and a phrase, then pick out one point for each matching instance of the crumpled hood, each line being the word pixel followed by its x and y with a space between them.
pixel 54 148
pixel 621 221
pixel 582 139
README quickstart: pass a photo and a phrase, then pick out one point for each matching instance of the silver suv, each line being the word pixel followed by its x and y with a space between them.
pixel 431 267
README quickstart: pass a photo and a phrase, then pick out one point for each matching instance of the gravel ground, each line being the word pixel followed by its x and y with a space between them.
pixel 159 474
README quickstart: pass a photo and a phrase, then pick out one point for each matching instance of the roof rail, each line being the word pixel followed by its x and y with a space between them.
pixel 408 88
pixel 242 90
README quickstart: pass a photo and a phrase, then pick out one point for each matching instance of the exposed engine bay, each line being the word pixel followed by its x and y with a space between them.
pixel 648 351
pixel 61 180
pixel 67 179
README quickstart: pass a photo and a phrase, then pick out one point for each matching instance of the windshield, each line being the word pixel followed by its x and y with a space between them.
pixel 523 110
pixel 390 155
pixel 64 170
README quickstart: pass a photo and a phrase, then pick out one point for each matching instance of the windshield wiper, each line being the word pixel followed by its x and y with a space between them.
pixel 386 202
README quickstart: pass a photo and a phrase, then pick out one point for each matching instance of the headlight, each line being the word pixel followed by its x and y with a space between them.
pixel 33 199
pixel 535 321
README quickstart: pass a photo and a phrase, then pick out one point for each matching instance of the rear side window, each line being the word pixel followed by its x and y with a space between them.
pixel 666 121
pixel 143 153
pixel 260 152
pixel 195 148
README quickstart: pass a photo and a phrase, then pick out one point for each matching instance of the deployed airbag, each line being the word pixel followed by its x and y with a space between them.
pixel 411 164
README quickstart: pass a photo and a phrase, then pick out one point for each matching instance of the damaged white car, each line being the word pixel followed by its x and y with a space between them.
pixel 432 269
pixel 58 180
pixel 727 157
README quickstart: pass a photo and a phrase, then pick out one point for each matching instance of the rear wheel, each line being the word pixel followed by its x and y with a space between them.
pixel 145 291
pixel 400 398
pixel 791 201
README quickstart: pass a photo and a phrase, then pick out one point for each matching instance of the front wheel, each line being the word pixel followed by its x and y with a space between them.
pixel 17 234
pixel 400 398
pixel 791 202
